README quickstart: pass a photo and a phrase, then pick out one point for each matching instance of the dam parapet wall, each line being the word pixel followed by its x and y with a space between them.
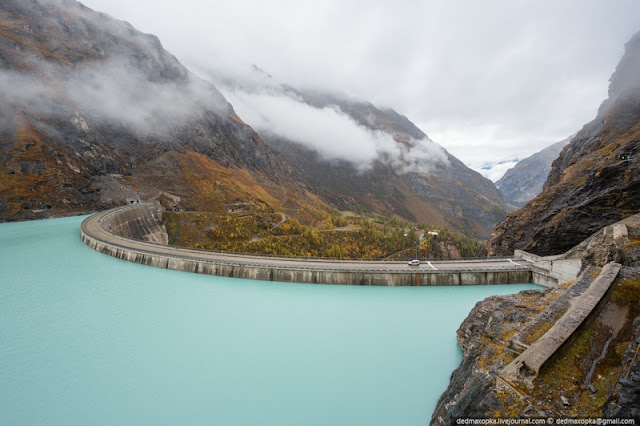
pixel 136 234
pixel 559 269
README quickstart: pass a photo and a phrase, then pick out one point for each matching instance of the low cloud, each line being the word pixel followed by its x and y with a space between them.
pixel 113 91
pixel 122 94
pixel 119 92
pixel 421 156
pixel 330 132
pixel 443 63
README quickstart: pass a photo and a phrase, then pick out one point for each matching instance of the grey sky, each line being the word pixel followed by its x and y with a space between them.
pixel 488 80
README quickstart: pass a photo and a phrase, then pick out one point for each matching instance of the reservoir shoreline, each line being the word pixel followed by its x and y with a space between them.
pixel 83 330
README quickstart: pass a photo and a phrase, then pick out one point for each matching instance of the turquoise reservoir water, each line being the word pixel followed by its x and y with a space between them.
pixel 90 339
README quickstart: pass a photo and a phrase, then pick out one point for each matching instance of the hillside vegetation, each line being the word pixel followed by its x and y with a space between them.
pixel 256 229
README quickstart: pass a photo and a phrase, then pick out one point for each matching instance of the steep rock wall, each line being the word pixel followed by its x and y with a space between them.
pixel 595 180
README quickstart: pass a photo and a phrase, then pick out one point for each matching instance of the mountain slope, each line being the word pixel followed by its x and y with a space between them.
pixel 408 175
pixel 526 179
pixel 594 182
pixel 94 113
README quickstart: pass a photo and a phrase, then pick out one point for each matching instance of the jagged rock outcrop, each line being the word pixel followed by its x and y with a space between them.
pixel 624 397
pixel 595 180
pixel 472 392
pixel 93 112
pixel 526 179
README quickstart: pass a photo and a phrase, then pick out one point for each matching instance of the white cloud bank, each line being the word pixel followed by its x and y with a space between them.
pixel 524 74
pixel 331 133
pixel 113 91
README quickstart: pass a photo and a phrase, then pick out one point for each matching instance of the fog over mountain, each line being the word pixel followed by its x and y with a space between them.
pixel 117 91
pixel 278 110
pixel 96 113
pixel 489 81
pixel 362 157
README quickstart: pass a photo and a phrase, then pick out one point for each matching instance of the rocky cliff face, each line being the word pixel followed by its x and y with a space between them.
pixel 526 179
pixel 95 113
pixel 593 375
pixel 594 181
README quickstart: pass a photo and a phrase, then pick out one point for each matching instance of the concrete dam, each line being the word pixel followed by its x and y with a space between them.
pixel 136 233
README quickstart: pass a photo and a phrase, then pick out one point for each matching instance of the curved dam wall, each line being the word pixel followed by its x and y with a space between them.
pixel 142 222
pixel 135 234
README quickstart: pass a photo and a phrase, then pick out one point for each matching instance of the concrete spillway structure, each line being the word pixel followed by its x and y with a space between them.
pixel 135 233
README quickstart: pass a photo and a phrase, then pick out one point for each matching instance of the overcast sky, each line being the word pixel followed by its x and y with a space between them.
pixel 488 80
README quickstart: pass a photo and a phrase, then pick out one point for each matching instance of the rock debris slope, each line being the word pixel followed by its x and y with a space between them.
pixel 593 374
